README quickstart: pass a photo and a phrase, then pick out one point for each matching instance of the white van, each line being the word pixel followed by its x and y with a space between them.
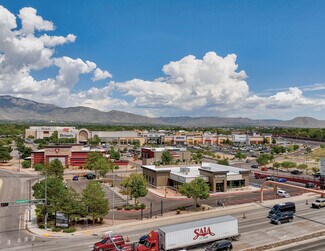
pixel 282 193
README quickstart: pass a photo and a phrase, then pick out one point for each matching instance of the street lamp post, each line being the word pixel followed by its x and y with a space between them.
pixel 45 219
pixel 19 162
pixel 113 218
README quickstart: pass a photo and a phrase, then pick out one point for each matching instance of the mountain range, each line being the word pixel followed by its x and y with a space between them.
pixel 13 109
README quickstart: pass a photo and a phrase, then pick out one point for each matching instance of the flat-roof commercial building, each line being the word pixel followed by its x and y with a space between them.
pixel 219 177
pixel 70 155
pixel 41 132
pixel 150 156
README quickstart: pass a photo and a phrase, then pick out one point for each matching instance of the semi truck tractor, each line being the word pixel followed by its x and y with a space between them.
pixel 190 234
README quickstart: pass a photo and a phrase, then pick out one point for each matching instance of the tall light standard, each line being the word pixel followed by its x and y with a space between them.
pixel 19 155
pixel 45 219
pixel 113 198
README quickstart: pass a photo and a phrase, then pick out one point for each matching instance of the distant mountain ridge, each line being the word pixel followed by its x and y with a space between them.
pixel 25 110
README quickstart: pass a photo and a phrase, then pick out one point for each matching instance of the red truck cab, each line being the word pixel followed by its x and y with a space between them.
pixel 107 244
pixel 151 243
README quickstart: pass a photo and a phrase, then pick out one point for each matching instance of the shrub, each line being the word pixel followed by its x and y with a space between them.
pixel 26 164
pixel 119 207
pixel 69 230
pixel 142 206
pixel 178 211
pixel 56 229
pixel 38 167
pixel 128 207
pixel 41 226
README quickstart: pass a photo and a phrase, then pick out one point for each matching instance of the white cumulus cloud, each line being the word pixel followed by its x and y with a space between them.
pixel 209 86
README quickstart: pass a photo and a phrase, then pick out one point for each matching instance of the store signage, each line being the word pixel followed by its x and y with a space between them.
pixel 322 166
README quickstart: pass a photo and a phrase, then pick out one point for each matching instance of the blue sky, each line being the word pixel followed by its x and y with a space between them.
pixel 279 45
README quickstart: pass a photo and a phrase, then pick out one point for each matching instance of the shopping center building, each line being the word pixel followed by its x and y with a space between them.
pixel 219 177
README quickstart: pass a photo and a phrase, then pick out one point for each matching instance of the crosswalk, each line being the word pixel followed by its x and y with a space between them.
pixel 6 241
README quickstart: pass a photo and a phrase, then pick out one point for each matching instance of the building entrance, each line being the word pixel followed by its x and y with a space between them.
pixel 219 187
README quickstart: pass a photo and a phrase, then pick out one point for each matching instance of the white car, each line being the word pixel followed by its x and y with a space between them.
pixel 282 193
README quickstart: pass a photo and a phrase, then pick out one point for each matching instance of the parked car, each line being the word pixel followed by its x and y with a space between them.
pixel 295 172
pixel 282 193
pixel 75 177
pixel 254 166
pixel 318 203
pixel 281 180
pixel 90 176
pixel 247 161
pixel 282 217
pixel 270 178
pixel 317 175
pixel 220 245
pixel 310 185
pixel 264 168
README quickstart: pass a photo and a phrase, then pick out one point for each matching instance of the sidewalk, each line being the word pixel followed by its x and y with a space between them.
pixel 161 220
pixel 173 194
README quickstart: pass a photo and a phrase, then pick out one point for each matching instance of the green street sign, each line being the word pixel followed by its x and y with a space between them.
pixel 22 201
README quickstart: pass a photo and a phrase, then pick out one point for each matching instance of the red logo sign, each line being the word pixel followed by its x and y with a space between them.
pixel 57 150
pixel 204 231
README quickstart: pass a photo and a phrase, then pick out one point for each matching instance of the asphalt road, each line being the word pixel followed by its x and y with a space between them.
pixel 12 225
pixel 255 230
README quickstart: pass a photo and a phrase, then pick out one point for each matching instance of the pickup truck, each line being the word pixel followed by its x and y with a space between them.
pixel 318 203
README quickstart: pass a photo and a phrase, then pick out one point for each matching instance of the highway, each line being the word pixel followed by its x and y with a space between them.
pixel 255 229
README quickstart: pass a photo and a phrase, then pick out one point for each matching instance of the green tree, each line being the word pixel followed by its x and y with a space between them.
pixel 315 170
pixel 264 159
pixel 224 162
pixel 5 154
pixel 103 166
pixel 196 189
pixel 91 160
pixel 302 167
pixel 114 154
pixel 273 141
pixel 137 185
pixel 240 155
pixel 295 147
pixel 94 141
pixel 288 165
pixel 308 149
pixel 197 157
pixel 55 192
pixel 266 141
pixel 71 205
pixel 94 198
pixel 166 157
pixel 54 168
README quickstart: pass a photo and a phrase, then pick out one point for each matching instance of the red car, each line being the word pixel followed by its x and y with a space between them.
pixel 108 245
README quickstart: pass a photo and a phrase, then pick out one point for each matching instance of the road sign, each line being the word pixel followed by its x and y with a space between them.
pixel 22 201
pixel 4 204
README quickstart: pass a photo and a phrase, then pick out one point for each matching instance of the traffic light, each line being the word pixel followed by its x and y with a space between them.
pixel 4 204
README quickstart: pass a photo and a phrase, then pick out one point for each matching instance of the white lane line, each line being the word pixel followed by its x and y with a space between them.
pixel 0 183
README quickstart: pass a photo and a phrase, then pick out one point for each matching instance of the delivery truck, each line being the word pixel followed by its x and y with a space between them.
pixel 190 234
